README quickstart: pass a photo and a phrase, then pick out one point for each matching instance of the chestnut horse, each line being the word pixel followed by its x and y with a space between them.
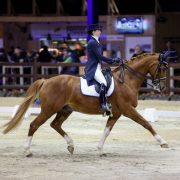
pixel 61 95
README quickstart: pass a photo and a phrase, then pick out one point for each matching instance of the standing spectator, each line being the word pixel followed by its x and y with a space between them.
pixel 173 58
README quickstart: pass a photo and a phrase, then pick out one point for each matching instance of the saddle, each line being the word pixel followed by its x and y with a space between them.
pixel 94 88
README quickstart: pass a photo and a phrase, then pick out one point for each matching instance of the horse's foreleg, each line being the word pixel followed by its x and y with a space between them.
pixel 57 123
pixel 134 115
pixel 109 125
pixel 40 119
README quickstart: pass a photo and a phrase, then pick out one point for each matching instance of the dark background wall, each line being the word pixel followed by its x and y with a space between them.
pixel 168 28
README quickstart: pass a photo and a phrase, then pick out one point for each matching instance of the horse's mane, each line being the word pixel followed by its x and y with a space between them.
pixel 137 58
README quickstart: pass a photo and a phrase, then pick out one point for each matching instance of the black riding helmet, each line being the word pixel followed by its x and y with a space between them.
pixel 93 27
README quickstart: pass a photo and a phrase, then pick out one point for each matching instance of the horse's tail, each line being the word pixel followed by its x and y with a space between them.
pixel 32 93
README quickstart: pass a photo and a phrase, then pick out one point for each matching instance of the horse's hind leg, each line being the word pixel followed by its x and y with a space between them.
pixel 39 120
pixel 109 125
pixel 134 115
pixel 57 123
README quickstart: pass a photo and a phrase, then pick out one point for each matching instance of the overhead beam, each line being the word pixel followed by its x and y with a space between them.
pixel 84 7
pixel 158 8
pixel 42 18
pixel 10 8
pixel 59 8
pixel 112 7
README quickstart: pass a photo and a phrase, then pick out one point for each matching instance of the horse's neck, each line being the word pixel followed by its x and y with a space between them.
pixel 135 79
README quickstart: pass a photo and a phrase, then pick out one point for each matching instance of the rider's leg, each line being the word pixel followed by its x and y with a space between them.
pixel 99 77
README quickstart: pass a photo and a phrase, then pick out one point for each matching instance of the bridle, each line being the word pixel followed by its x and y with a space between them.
pixel 156 80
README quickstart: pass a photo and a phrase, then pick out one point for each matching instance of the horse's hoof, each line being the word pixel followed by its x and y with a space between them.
pixel 103 155
pixel 164 146
pixel 70 149
pixel 29 155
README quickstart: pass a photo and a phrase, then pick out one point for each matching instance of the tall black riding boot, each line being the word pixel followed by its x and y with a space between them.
pixel 103 100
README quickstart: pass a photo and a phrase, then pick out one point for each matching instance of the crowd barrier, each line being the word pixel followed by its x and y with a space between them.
pixel 151 114
pixel 36 70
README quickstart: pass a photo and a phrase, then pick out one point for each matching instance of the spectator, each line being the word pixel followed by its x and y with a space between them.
pixel 67 58
pixel 3 55
pixel 45 56
pixel 138 50
pixel 173 58
pixel 79 51
pixel 84 59
pixel 3 58
pixel 10 53
pixel 30 56
pixel 17 56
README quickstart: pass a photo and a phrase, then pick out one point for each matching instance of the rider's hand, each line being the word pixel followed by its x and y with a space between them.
pixel 116 60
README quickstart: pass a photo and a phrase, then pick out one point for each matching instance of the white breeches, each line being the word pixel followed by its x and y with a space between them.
pixel 99 77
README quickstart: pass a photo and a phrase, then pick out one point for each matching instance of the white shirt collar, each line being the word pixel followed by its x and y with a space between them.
pixel 95 37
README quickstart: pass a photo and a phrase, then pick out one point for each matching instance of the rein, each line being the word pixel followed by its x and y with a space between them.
pixel 156 82
pixel 131 70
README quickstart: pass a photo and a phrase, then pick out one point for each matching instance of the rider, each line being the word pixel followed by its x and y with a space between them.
pixel 93 66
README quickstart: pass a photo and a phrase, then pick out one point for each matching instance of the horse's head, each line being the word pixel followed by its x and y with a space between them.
pixel 158 71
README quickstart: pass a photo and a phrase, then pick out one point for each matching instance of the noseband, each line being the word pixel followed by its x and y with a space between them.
pixel 162 65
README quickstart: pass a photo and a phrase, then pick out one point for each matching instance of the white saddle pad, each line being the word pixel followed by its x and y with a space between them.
pixel 90 90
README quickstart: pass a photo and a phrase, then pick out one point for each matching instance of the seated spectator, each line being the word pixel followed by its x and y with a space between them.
pixel 3 58
pixel 84 58
pixel 10 53
pixel 45 56
pixel 67 58
pixel 3 55
pixel 18 55
pixel 78 52
pixel 30 56
pixel 138 50
pixel 173 58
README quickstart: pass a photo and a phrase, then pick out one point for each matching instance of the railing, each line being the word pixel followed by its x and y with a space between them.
pixel 15 72
pixel 173 82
